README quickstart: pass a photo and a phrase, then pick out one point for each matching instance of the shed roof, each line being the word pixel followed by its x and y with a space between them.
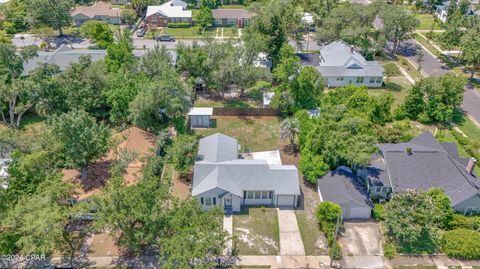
pixel 99 8
pixel 201 111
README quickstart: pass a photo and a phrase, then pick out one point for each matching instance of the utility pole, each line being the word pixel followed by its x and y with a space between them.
pixel 334 240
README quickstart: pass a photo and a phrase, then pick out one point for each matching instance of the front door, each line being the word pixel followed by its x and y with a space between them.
pixel 227 201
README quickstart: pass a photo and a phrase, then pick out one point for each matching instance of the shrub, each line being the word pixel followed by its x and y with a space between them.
pixel 312 166
pixel 389 250
pixel 461 221
pixel 378 212
pixel 179 25
pixel 462 243
pixel 327 215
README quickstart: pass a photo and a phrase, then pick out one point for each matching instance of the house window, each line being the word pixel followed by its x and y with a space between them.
pixel 372 79
pixel 249 194
pixel 214 201
pixel 379 79
pixel 264 194
pixel 258 195
pixel 270 195
pixel 208 201
pixel 340 78
pixel 359 79
pixel 202 201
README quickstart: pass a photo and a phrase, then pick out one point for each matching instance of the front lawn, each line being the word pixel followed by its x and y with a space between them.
pixel 252 133
pixel 257 231
pixel 422 40
pixel 426 21
pixel 397 86
pixel 239 103
pixel 313 239
pixel 189 33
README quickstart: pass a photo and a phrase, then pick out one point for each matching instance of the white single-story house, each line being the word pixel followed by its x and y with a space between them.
pixel 199 117
pixel 100 11
pixel 343 187
pixel 222 179
pixel 341 64
pixel 173 11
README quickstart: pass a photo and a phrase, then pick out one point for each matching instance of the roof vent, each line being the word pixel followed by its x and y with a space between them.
pixel 352 49
pixel 471 165
pixel 409 151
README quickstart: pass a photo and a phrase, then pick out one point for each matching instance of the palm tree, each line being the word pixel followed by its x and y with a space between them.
pixel 289 130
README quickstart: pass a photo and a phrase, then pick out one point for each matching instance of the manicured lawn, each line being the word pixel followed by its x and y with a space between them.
pixel 253 133
pixel 311 235
pixel 426 21
pixel 397 86
pixel 257 231
pixel 186 33
pixel 467 126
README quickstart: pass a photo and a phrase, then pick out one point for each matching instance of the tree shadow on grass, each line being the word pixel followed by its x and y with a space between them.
pixel 392 86
pixel 458 117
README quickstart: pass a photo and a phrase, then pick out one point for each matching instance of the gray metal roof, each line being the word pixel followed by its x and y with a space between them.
pixel 221 168
pixel 64 56
pixel 341 187
pixel 430 165
pixel 340 59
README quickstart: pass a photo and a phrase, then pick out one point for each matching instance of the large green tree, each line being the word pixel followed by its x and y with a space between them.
pixel 398 25
pixel 205 18
pixel 53 13
pixel 99 32
pixel 78 139
pixel 471 49
pixel 182 153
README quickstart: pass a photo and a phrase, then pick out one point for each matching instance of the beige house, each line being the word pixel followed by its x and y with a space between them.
pixel 100 11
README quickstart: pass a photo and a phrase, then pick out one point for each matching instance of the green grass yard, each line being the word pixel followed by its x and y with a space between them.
pixel 397 86
pixel 311 235
pixel 426 21
pixel 253 133
pixel 257 231
pixel 189 33
pixel 200 102
pixel 427 44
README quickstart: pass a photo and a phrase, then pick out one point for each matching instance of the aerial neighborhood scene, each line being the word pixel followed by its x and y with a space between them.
pixel 240 134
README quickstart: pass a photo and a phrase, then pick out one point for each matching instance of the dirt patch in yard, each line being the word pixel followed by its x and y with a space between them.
pixel 101 245
pixel 361 238
pixel 257 231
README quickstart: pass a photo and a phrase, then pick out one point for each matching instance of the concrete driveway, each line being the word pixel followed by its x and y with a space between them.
pixel 290 239
pixel 361 244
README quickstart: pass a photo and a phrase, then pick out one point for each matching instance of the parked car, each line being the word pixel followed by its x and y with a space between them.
pixel 141 32
pixel 164 38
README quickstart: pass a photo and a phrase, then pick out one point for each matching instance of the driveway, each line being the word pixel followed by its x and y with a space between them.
pixel 361 244
pixel 290 239
pixel 430 65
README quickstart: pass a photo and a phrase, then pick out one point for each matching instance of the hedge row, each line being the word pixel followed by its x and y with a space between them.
pixel 462 243
pixel 179 25
pixel 327 215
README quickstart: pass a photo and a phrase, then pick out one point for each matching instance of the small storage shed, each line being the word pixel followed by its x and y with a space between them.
pixel 342 187
pixel 199 117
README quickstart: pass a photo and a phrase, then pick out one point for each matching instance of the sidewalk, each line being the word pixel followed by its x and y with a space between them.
pixel 286 261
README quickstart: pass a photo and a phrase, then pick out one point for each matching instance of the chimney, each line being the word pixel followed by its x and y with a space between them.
pixel 471 165
pixel 351 49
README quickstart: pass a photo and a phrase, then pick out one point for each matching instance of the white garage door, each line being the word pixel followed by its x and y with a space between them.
pixel 359 213
pixel 285 200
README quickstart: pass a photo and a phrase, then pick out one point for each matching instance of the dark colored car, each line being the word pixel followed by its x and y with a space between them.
pixel 141 32
pixel 167 38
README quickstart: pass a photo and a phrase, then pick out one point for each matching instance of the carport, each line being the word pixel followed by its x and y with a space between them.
pixel 342 187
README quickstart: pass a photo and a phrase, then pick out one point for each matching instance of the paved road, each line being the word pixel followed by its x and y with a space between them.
pixel 471 103
pixel 431 65
pixel 434 67
pixel 138 43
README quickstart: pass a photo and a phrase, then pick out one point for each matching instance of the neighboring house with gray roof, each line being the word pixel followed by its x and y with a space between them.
pixel 343 187
pixel 64 56
pixel 421 164
pixel 341 64
pixel 222 179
